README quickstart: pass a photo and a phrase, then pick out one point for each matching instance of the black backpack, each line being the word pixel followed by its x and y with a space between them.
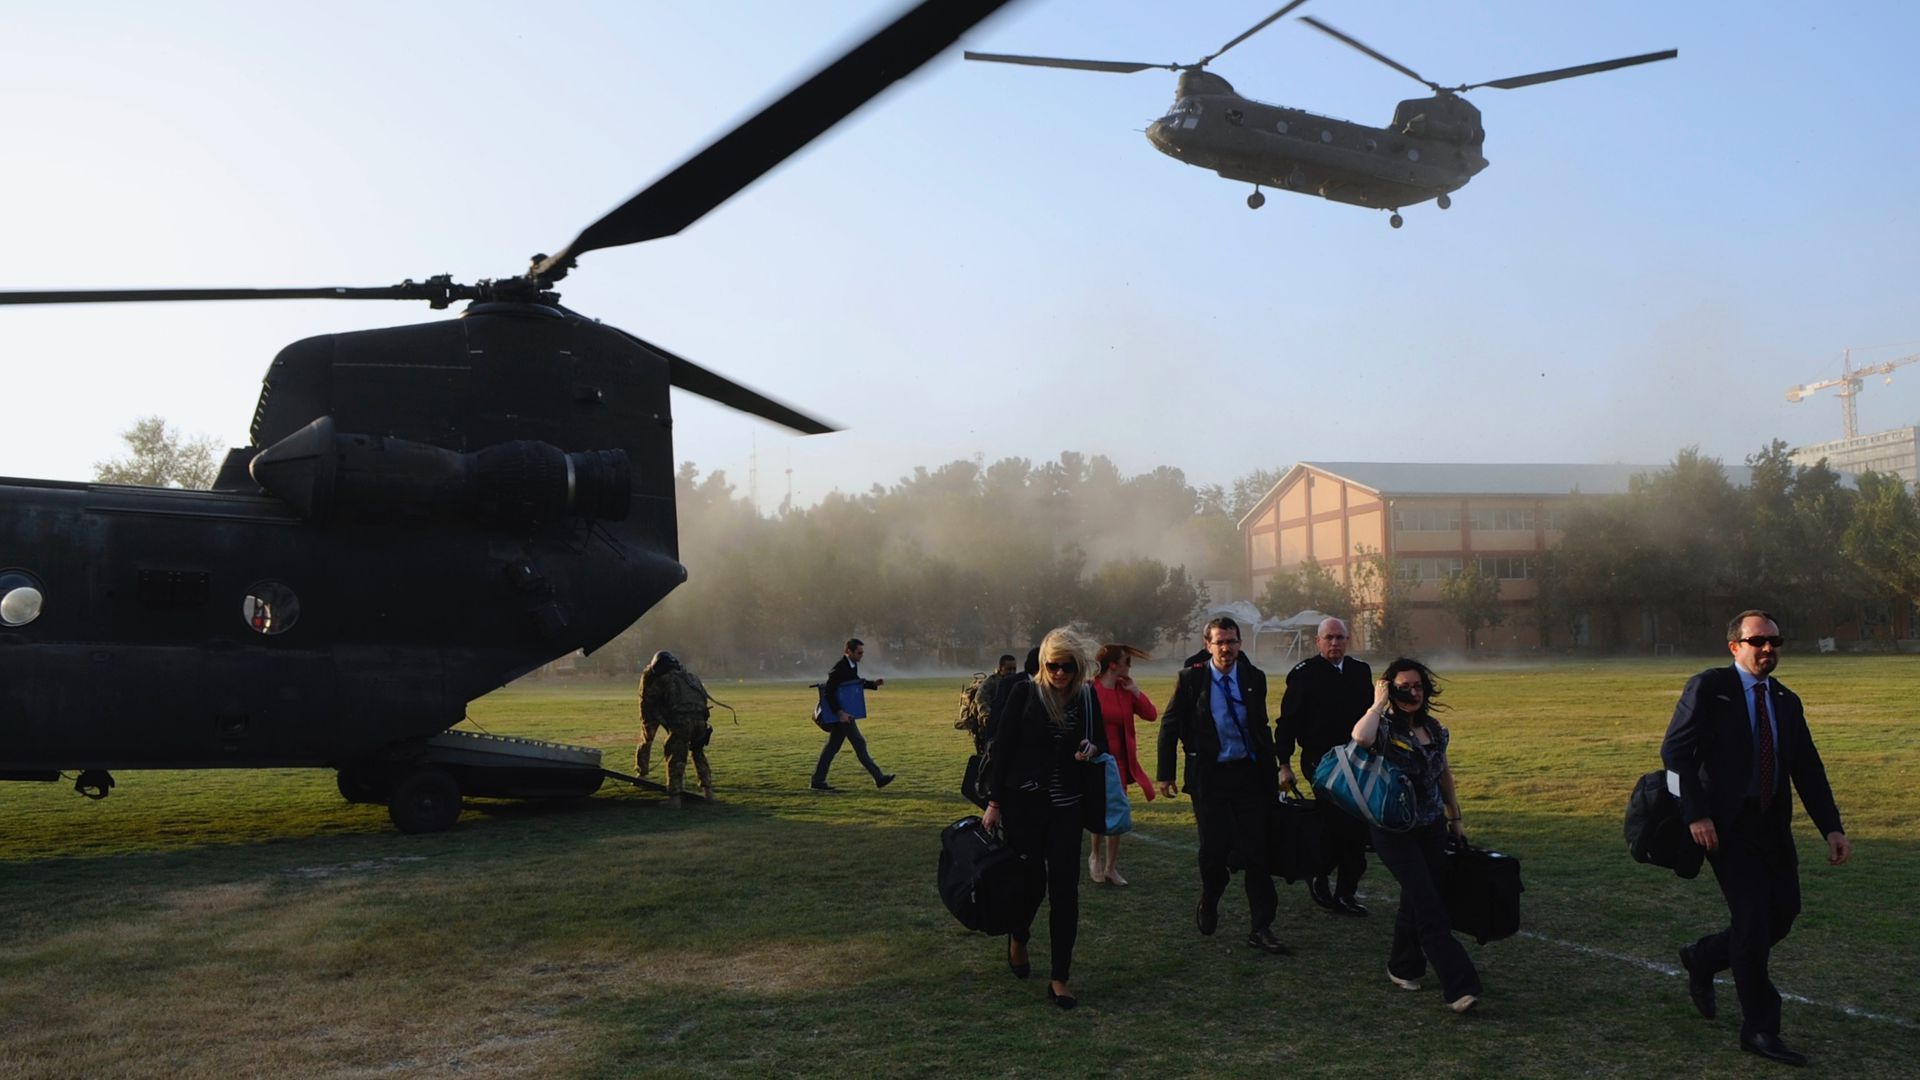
pixel 984 882
pixel 1655 833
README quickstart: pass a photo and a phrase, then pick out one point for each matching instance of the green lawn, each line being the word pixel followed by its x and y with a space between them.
pixel 214 923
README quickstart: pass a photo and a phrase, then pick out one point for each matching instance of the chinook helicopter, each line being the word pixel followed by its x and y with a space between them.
pixel 424 513
pixel 1431 149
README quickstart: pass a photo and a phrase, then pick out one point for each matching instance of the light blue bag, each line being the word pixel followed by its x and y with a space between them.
pixel 1366 785
pixel 1103 805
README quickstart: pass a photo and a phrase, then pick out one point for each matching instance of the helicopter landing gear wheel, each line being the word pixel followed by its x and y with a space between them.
pixel 426 800
pixel 1396 220
pixel 1443 202
pixel 1256 200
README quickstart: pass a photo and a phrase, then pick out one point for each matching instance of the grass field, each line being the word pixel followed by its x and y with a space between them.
pixel 252 922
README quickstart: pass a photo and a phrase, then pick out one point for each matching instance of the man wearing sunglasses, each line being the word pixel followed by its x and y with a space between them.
pixel 1219 712
pixel 1736 739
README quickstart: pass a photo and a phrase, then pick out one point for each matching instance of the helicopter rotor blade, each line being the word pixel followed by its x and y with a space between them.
pixel 694 379
pixel 1382 57
pixel 1538 77
pixel 1256 28
pixel 1122 67
pixel 441 293
pixel 751 150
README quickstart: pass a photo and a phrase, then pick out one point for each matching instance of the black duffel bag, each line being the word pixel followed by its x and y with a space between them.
pixel 1655 833
pixel 983 881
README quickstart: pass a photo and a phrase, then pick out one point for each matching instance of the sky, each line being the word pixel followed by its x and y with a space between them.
pixel 987 261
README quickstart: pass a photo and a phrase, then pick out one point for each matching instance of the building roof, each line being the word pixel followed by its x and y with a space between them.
pixel 1392 479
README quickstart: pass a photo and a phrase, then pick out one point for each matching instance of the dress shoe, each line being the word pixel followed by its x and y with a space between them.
pixel 1322 895
pixel 1404 984
pixel 1463 1003
pixel 1267 943
pixel 1023 968
pixel 883 780
pixel 1347 905
pixel 1699 985
pixel 823 786
pixel 1769 1046
pixel 1065 1001
pixel 1207 917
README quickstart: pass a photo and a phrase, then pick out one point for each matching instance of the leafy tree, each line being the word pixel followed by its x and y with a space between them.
pixel 1884 536
pixel 1141 602
pixel 1380 593
pixel 1309 587
pixel 1473 599
pixel 158 456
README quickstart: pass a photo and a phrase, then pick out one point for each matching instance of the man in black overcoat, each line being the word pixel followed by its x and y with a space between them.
pixel 1219 714
pixel 1736 739
pixel 1325 695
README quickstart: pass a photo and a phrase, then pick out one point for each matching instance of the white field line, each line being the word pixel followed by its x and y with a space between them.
pixel 1588 950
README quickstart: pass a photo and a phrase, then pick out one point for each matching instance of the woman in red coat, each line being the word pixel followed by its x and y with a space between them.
pixel 1120 702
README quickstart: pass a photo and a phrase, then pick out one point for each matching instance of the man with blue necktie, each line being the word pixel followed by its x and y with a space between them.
pixel 1219 715
pixel 1736 739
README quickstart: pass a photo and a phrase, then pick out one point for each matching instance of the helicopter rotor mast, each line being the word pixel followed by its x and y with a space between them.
pixel 668 205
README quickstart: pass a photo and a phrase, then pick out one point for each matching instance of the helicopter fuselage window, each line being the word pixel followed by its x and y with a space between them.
pixel 1234 116
pixel 20 598
pixel 1326 136
pixel 270 608
pixel 1280 126
pixel 1412 154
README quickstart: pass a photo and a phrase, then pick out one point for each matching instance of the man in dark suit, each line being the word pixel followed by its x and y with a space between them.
pixel 1325 695
pixel 845 694
pixel 1219 714
pixel 1736 738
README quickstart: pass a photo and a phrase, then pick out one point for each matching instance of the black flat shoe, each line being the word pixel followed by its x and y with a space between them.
pixel 1769 1046
pixel 1065 1001
pixel 1322 895
pixel 1206 917
pixel 823 787
pixel 1699 985
pixel 1022 969
pixel 1267 943
pixel 883 780
pixel 1347 905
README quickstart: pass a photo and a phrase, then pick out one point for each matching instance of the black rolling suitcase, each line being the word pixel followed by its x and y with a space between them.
pixel 1483 893
pixel 985 883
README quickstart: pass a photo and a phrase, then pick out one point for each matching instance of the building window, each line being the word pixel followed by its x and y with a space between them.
pixel 1432 520
pixel 1506 569
pixel 1503 519
pixel 1429 569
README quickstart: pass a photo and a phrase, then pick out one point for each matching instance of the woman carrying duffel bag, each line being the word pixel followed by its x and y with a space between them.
pixel 1400 726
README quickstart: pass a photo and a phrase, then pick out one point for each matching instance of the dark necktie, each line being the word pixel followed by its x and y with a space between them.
pixel 1763 743
pixel 1233 714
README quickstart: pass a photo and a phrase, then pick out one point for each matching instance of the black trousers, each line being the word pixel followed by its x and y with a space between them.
pixel 1422 933
pixel 1759 874
pixel 1232 814
pixel 1049 836
pixel 845 731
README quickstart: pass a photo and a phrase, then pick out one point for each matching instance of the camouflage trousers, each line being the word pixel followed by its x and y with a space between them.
pixel 680 743
pixel 648 729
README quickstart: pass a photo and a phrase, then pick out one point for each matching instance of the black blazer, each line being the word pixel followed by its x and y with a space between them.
pixel 1188 721
pixel 1709 744
pixel 843 671
pixel 1320 707
pixel 1024 748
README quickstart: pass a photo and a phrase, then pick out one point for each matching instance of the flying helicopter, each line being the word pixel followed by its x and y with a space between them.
pixel 1430 149
pixel 423 514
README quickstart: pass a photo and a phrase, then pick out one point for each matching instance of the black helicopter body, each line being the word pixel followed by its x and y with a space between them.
pixel 1430 150
pixel 424 513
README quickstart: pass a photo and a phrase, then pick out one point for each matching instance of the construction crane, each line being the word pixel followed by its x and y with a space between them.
pixel 1850 382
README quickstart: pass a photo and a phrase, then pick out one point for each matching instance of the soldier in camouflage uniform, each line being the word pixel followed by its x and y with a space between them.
pixel 674 698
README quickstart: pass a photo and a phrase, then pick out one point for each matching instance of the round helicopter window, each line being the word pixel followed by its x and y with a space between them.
pixel 1326 136
pixel 270 608
pixel 20 598
pixel 1412 154
pixel 1280 126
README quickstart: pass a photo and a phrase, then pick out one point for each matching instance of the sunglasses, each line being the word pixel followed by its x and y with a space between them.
pixel 1758 640
pixel 1069 666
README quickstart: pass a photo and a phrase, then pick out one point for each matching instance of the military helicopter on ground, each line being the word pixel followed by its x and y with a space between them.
pixel 424 514
pixel 1431 148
